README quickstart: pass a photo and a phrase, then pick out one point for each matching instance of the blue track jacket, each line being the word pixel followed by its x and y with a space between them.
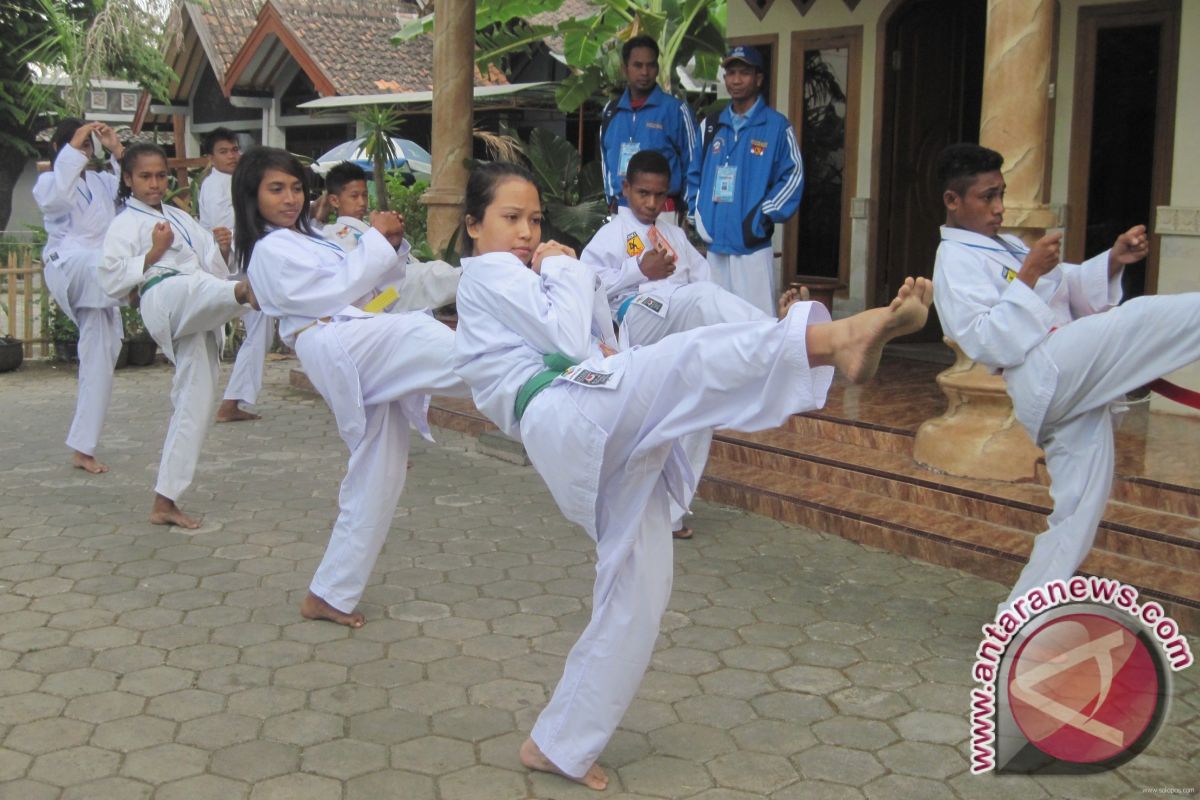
pixel 663 124
pixel 767 188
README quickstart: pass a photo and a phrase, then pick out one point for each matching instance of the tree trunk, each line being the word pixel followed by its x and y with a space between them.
pixel 12 164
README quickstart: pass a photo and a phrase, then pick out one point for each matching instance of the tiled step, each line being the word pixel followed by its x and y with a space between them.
pixel 878 496
pixel 1143 533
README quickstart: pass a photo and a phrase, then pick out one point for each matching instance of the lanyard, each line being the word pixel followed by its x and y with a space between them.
pixel 324 243
pixel 170 221
pixel 84 190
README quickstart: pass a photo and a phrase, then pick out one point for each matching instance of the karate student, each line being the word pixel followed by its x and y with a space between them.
pixel 532 342
pixel 216 213
pixel 179 274
pixel 426 284
pixel 656 282
pixel 746 178
pixel 78 204
pixel 645 117
pixel 1065 348
pixel 375 371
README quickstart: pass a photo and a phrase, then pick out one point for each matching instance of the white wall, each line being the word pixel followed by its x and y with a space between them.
pixel 24 210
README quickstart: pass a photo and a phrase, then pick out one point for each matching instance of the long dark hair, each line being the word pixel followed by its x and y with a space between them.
pixel 481 191
pixel 129 162
pixel 249 225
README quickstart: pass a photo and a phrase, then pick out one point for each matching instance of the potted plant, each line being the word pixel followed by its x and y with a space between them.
pixel 63 333
pixel 140 345
pixel 12 353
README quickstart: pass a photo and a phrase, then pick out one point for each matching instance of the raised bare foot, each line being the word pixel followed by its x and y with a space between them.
pixel 244 294
pixel 683 533
pixel 165 512
pixel 88 463
pixel 229 411
pixel 533 758
pixel 791 297
pixel 314 607
pixel 858 340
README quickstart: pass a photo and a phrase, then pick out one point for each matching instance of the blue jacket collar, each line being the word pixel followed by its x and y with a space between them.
pixel 655 98
pixel 755 116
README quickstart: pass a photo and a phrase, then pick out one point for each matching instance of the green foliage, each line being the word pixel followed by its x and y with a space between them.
pixel 379 124
pixel 572 193
pixel 686 31
pixel 59 327
pixel 407 201
pixel 133 325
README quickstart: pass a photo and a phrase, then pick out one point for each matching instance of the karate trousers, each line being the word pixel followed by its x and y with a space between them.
pixel 1074 375
pixel 375 373
pixel 693 305
pixel 184 314
pixel 745 376
pixel 75 286
pixel 751 277
pixel 246 379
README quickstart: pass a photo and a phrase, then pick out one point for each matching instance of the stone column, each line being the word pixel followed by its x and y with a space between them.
pixel 1015 115
pixel 453 105
pixel 979 436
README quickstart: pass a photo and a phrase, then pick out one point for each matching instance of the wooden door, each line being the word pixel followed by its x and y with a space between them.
pixel 932 93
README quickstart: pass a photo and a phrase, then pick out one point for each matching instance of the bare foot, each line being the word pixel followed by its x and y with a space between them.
pixel 314 607
pixel 88 463
pixel 791 297
pixel 858 341
pixel 683 533
pixel 532 757
pixel 229 411
pixel 244 294
pixel 165 512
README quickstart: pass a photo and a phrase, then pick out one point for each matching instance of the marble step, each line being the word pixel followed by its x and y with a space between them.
pixel 991 549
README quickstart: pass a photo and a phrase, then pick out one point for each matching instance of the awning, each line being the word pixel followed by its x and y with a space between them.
pixel 537 94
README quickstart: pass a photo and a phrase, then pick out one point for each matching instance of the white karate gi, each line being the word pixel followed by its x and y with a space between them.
pixel 609 453
pixel 246 379
pixel 376 373
pixel 77 211
pixel 184 313
pixel 426 284
pixel 751 276
pixel 1066 351
pixel 648 310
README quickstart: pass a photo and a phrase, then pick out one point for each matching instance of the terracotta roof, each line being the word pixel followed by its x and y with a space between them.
pixel 352 40
pixel 223 26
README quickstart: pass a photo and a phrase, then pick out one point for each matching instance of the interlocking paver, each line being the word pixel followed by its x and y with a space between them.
pixel 138 661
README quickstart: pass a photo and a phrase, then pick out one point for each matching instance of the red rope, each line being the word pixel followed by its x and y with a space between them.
pixel 1177 393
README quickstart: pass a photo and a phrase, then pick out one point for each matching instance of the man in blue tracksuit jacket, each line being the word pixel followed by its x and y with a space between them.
pixel 645 118
pixel 746 177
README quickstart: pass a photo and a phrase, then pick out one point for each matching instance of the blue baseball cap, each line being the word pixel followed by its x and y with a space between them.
pixel 746 54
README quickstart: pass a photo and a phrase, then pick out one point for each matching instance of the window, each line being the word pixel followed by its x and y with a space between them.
pixel 825 69
pixel 129 101
pixel 98 99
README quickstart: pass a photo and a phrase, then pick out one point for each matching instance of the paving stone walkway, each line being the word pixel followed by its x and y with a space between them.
pixel 138 661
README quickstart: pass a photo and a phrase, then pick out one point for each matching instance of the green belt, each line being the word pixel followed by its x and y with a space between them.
pixel 157 279
pixel 556 364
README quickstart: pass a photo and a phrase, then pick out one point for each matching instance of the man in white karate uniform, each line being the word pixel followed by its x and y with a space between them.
pixel 216 213
pixel 657 283
pixel 1055 331
pixel 78 205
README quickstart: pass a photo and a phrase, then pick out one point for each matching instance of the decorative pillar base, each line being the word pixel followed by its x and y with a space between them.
pixel 978 436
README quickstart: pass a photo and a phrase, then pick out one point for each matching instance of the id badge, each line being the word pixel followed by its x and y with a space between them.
pixel 628 149
pixel 594 379
pixel 651 304
pixel 723 185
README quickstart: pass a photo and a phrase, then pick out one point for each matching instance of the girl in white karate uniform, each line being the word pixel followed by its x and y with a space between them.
pixel 78 204
pixel 534 341
pixel 375 371
pixel 179 272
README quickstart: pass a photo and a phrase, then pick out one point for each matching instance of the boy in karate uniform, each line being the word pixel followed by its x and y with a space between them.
pixel 179 274
pixel 78 205
pixel 1064 346
pixel 429 284
pixel 216 214
pixel 657 283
